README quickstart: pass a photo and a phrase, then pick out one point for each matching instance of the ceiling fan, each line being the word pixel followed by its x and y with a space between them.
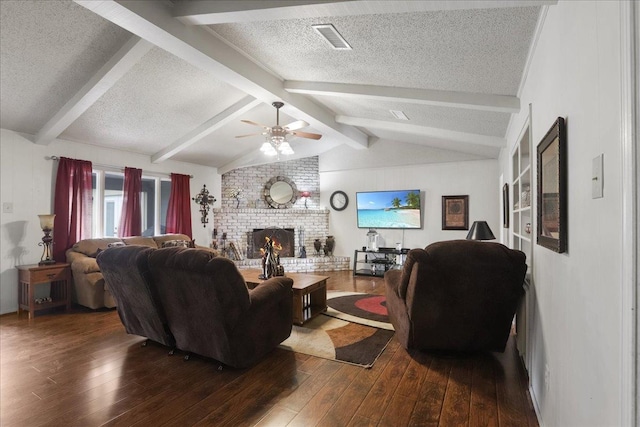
pixel 276 135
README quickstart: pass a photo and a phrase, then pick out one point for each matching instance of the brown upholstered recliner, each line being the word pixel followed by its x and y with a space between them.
pixel 212 313
pixel 458 295
pixel 126 272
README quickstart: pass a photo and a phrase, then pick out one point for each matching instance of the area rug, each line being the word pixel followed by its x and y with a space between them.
pixel 340 340
pixel 361 308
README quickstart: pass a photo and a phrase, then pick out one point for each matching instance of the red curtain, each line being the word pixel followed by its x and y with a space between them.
pixel 179 209
pixel 72 205
pixel 131 216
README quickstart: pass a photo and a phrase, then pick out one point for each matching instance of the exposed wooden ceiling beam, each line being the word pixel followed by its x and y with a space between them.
pixel 128 55
pixel 232 113
pixel 469 138
pixel 153 21
pixel 441 98
pixel 218 12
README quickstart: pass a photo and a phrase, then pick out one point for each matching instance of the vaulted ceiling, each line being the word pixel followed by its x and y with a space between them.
pixel 174 79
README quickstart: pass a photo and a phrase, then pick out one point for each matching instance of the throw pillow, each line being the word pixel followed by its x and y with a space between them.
pixel 176 243
pixel 115 244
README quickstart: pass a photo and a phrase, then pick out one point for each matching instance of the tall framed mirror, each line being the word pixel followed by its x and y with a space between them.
pixel 280 192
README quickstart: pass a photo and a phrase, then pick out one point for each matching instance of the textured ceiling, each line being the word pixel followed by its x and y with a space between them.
pixel 48 50
pixel 160 99
pixel 471 50
pixel 183 96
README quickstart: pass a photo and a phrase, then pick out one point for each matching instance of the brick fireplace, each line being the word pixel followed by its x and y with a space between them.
pixel 239 224
pixel 253 214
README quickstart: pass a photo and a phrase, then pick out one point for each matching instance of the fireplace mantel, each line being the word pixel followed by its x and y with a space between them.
pixel 269 211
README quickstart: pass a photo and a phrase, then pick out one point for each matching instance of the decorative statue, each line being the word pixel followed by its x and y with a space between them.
pixel 329 245
pixel 235 193
pixel 270 259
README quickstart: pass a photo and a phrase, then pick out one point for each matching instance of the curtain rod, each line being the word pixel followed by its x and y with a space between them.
pixel 118 168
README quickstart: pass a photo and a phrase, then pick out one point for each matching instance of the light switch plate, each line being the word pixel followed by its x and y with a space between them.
pixel 597 177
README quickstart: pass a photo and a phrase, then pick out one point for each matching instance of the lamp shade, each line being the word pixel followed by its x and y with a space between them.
pixel 480 231
pixel 46 221
pixel 305 194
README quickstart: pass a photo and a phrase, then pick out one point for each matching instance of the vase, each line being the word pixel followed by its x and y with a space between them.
pixel 329 245
pixel 317 245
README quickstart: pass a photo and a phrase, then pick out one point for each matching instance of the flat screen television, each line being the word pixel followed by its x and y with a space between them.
pixel 389 209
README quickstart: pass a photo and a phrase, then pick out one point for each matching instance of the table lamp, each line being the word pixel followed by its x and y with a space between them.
pixel 46 223
pixel 480 231
pixel 305 195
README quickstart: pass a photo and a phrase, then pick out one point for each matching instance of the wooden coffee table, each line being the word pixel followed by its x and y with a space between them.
pixel 309 293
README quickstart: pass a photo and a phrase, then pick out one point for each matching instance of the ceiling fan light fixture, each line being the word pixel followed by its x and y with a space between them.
pixel 285 148
pixel 271 151
pixel 266 146
pixel 275 142
pixel 332 36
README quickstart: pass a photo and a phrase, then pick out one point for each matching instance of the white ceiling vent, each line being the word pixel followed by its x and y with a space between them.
pixel 331 35
pixel 400 115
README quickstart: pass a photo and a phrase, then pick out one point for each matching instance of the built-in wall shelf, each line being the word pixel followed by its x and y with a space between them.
pixel 522 229
pixel 522 223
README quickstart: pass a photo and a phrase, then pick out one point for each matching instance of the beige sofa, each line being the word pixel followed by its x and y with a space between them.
pixel 89 288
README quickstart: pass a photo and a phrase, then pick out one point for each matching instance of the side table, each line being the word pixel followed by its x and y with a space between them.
pixel 29 276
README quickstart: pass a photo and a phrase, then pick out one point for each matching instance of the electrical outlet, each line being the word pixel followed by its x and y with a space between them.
pixel 7 207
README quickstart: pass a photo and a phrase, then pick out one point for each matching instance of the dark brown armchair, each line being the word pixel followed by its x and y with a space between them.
pixel 458 295
pixel 126 273
pixel 212 313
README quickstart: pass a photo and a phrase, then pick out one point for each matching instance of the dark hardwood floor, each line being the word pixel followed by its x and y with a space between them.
pixel 81 369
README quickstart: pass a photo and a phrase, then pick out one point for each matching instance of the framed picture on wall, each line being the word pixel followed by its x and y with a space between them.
pixel 455 212
pixel 505 206
pixel 552 188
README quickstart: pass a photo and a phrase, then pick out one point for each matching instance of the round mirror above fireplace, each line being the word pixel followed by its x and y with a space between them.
pixel 280 192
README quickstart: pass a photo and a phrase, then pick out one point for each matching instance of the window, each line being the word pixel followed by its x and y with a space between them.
pixel 107 203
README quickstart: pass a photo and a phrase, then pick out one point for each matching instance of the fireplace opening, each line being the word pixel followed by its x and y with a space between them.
pixel 284 237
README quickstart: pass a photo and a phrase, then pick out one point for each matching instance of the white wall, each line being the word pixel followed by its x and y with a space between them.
pixel 27 180
pixel 576 330
pixel 478 178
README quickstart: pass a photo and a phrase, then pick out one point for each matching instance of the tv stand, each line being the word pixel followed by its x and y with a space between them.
pixel 370 263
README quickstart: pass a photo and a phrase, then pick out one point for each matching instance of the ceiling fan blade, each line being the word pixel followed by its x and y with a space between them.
pixel 249 134
pixel 307 135
pixel 296 125
pixel 255 124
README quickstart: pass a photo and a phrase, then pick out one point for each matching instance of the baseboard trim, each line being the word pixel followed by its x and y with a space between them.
pixel 536 406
